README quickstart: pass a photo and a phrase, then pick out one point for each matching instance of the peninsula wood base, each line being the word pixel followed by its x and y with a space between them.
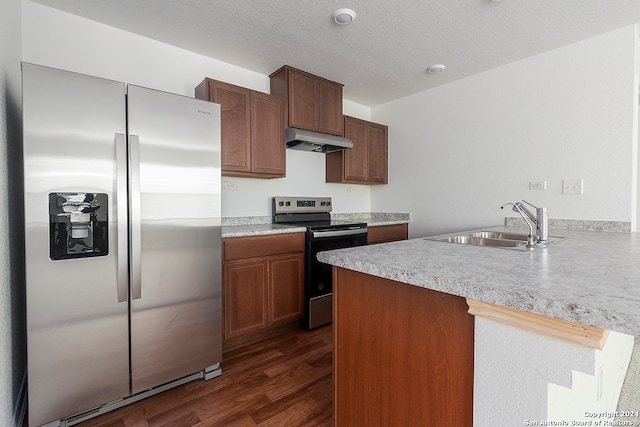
pixel 403 354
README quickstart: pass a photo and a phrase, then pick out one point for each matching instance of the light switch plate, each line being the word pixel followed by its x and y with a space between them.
pixel 572 186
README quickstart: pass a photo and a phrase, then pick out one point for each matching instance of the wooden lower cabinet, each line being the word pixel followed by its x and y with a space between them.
pixel 387 233
pixel 286 289
pixel 403 354
pixel 245 297
pixel 263 286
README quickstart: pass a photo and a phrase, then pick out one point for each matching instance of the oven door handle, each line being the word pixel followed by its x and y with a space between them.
pixel 338 233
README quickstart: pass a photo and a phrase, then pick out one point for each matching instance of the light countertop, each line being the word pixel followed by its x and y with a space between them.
pixel 591 278
pixel 229 231
pixel 261 226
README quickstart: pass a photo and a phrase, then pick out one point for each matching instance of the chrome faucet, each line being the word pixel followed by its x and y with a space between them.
pixel 540 237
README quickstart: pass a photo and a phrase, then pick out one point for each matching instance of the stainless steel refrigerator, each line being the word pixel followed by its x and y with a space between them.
pixel 123 242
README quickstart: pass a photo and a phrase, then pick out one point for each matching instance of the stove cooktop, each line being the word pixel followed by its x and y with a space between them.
pixel 327 224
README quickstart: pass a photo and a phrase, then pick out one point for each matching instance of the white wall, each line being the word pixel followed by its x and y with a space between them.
pixel 522 376
pixel 12 321
pixel 62 40
pixel 456 152
pixel 459 151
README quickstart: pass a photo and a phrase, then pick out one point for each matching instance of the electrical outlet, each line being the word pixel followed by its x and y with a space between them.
pixel 229 185
pixel 537 185
pixel 572 186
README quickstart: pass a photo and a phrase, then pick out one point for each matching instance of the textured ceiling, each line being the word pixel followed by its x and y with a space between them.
pixel 383 54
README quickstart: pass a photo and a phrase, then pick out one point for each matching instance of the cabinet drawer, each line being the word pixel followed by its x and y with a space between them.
pixel 388 233
pixel 259 246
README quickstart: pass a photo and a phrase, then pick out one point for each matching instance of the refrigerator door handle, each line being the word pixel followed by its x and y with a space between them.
pixel 135 243
pixel 121 209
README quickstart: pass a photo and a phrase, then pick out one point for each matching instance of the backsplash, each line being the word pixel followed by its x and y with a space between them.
pixel 372 216
pixel 576 224
pixel 246 220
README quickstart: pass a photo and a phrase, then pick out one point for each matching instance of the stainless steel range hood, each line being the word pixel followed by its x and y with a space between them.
pixel 306 140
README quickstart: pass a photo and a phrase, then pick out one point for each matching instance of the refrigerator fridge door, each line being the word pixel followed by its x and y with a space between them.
pixel 77 329
pixel 174 149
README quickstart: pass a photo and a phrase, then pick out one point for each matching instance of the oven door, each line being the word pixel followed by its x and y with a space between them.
pixel 318 286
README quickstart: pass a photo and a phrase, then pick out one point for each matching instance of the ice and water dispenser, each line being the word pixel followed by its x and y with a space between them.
pixel 78 224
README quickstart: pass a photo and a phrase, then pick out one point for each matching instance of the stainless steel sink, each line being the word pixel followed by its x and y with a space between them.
pixel 483 241
pixel 497 239
pixel 500 235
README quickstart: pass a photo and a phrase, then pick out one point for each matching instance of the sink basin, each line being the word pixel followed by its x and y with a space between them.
pixel 496 239
pixel 500 235
pixel 483 241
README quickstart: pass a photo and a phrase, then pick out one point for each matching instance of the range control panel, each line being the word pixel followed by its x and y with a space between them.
pixel 301 204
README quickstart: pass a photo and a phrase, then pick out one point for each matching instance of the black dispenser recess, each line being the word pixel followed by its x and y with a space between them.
pixel 78 225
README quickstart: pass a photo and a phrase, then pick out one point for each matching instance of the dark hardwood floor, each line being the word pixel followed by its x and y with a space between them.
pixel 285 381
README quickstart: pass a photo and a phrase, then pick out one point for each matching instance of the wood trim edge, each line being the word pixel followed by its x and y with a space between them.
pixel 587 336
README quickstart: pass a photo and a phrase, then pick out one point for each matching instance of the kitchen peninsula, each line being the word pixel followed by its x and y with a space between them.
pixel 402 329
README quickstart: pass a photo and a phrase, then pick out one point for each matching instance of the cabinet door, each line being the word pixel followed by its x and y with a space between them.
pixel 286 288
pixel 301 100
pixel 235 124
pixel 267 134
pixel 245 297
pixel 355 159
pixel 329 108
pixel 377 158
pixel 387 233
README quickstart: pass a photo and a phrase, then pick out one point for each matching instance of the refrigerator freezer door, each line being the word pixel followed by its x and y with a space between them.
pixel 176 321
pixel 77 333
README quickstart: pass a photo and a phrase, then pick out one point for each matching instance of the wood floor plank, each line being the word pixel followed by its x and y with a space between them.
pixel 319 393
pixel 284 381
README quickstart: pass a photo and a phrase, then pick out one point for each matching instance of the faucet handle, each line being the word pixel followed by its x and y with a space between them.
pixel 534 207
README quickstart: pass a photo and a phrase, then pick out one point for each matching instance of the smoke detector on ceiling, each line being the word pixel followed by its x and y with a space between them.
pixel 436 68
pixel 343 16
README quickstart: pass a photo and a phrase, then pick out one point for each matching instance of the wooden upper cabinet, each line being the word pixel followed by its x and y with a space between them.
pixel 267 134
pixel 252 129
pixel 355 159
pixel 314 103
pixel 377 153
pixel 235 112
pixel 302 99
pixel 329 107
pixel 367 161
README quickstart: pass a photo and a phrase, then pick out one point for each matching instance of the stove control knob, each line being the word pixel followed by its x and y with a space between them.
pixel 328 203
pixel 280 203
pixel 288 203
